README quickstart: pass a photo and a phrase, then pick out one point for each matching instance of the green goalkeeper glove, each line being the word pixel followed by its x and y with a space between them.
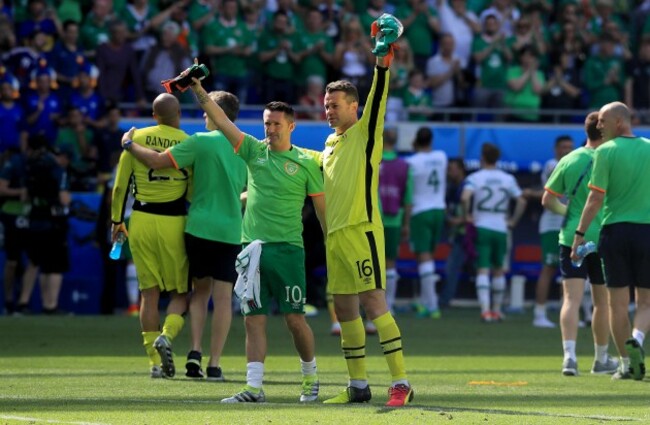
pixel 386 30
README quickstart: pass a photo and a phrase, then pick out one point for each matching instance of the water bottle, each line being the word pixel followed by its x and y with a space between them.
pixel 583 250
pixel 116 251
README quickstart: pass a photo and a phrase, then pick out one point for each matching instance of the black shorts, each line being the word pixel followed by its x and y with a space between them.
pixel 16 234
pixel 211 258
pixel 591 267
pixel 47 246
pixel 625 250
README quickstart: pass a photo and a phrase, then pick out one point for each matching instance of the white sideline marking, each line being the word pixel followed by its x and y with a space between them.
pixel 48 421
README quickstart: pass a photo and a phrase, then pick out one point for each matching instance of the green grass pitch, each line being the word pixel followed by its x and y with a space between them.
pixel 92 370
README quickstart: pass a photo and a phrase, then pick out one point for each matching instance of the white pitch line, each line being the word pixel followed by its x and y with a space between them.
pixel 47 421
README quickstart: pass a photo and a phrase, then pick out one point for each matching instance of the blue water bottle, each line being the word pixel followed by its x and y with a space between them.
pixel 583 250
pixel 116 251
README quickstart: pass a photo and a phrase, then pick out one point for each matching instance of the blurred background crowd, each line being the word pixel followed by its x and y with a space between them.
pixel 66 64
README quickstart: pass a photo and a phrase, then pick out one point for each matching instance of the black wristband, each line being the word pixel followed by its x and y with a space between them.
pixel 579 233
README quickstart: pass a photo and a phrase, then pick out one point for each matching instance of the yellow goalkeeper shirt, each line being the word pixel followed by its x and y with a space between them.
pixel 351 163
pixel 149 186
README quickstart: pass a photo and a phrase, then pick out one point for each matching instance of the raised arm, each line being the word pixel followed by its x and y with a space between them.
pixel 217 115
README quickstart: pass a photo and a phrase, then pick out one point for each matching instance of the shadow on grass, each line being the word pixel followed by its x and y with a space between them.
pixel 457 333
pixel 445 404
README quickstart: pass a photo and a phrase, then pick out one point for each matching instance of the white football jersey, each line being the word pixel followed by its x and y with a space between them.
pixel 492 190
pixel 429 170
pixel 549 221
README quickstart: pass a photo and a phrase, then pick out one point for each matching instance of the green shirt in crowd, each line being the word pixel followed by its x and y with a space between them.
pixel 280 67
pixel 525 99
pixel 492 69
pixel 218 35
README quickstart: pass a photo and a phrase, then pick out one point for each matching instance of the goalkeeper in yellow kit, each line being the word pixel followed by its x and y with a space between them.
pixel 355 242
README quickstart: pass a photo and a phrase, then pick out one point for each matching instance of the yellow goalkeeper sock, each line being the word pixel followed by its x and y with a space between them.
pixel 353 343
pixel 391 343
pixel 173 325
pixel 149 338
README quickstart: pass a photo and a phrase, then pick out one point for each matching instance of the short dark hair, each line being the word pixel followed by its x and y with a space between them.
pixel 109 105
pixel 459 162
pixel 37 141
pixel 591 123
pixel 527 48
pixel 69 22
pixel 284 107
pixel 490 153
pixel 390 136
pixel 564 138
pixel 346 87
pixel 423 137
pixel 228 102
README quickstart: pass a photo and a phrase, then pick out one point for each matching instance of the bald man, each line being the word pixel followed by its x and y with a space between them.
pixel 619 180
pixel 156 231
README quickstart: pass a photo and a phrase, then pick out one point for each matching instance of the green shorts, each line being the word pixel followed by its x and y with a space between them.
pixel 491 248
pixel 393 237
pixel 355 259
pixel 282 277
pixel 550 251
pixel 426 230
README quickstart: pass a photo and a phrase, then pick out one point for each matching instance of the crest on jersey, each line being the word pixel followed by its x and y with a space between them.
pixel 291 167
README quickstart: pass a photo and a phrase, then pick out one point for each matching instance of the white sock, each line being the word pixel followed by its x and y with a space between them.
pixel 400 381
pixel 254 374
pixel 498 292
pixel 308 368
pixel 569 348
pixel 540 311
pixel 638 335
pixel 132 290
pixel 601 352
pixel 391 287
pixel 358 383
pixel 483 292
pixel 428 296
pixel 625 361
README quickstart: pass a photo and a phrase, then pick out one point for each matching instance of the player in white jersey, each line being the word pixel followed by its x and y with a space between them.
pixel 492 190
pixel 429 170
pixel 549 231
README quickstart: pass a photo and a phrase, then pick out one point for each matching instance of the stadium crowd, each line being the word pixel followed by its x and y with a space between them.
pixel 521 55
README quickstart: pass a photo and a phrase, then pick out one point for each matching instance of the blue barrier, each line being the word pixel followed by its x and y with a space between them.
pixel 524 147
